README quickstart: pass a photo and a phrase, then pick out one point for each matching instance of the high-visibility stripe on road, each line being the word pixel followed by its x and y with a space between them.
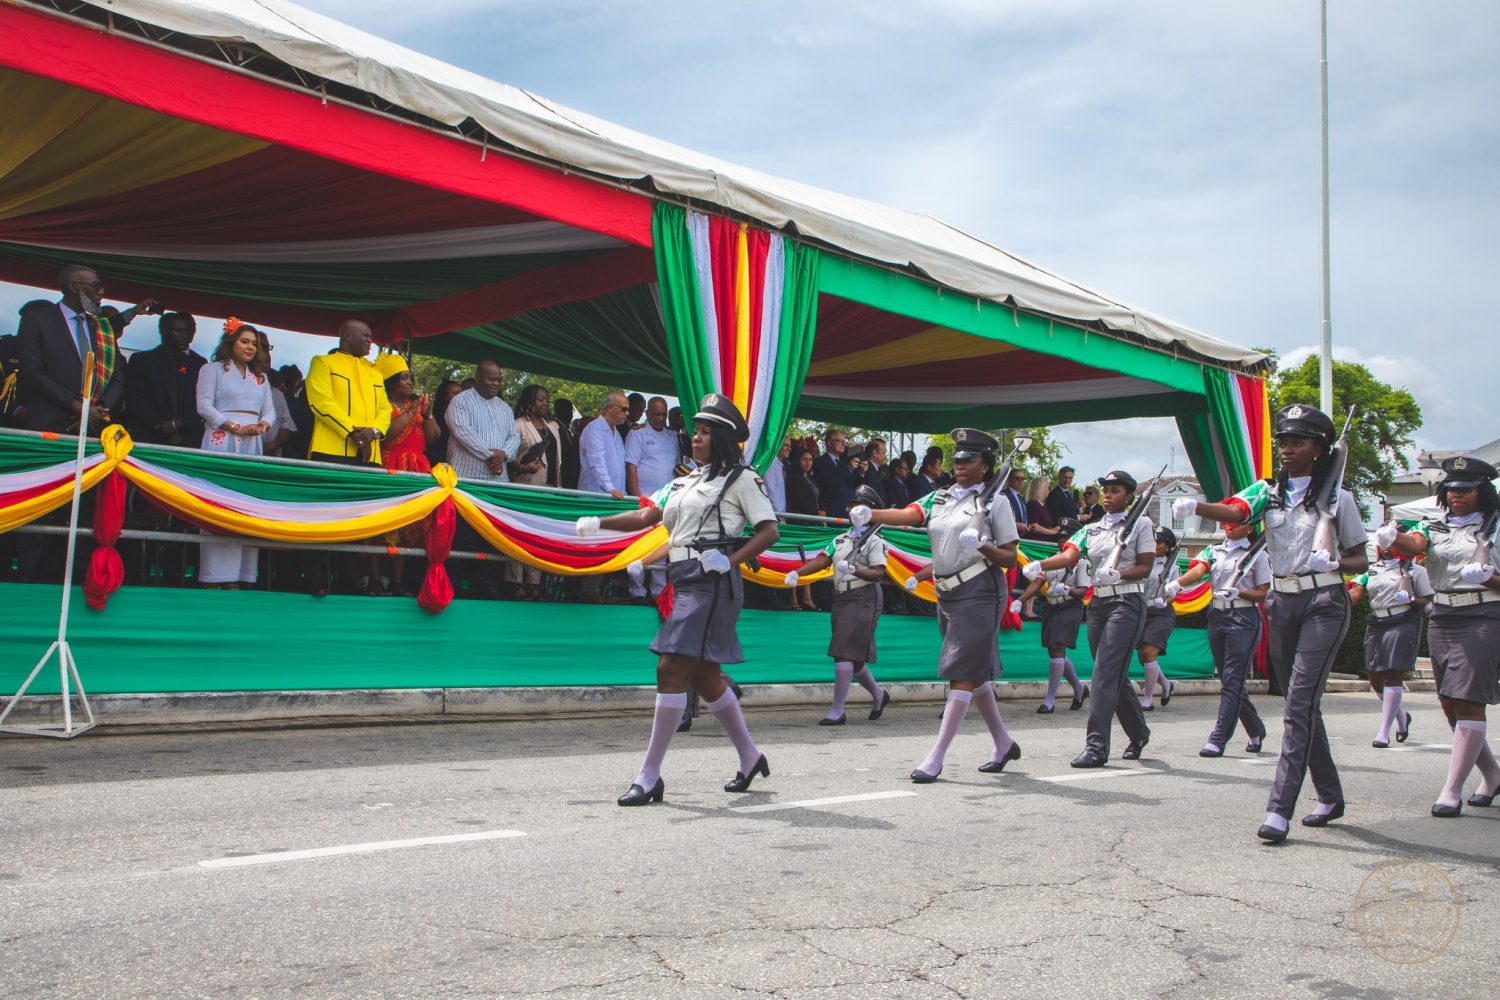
pixel 383 845
pixel 809 803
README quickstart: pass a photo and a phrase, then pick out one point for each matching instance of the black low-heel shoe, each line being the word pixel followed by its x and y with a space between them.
pixel 1482 800
pixel 878 710
pixel 1079 700
pixel 685 724
pixel 1045 709
pixel 1254 745
pixel 831 722
pixel 1089 759
pixel 1323 819
pixel 1442 811
pixel 1133 749
pixel 1402 732
pixel 1380 744
pixel 1270 834
pixel 741 782
pixel 1166 699
pixel 638 796
pixel 1210 751
pixel 923 778
pixel 996 766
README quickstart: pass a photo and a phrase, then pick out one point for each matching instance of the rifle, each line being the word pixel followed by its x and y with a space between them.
pixel 1326 503
pixel 1484 545
pixel 1021 442
pixel 1256 548
pixel 1128 525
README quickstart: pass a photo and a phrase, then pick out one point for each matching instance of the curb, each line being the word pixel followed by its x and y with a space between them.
pixel 409 705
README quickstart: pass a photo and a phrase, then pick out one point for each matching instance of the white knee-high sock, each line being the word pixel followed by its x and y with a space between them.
pixel 727 711
pixel 1153 680
pixel 843 673
pixel 1391 698
pixel 989 710
pixel 953 718
pixel 1071 675
pixel 1489 768
pixel 663 727
pixel 1468 738
pixel 866 680
pixel 1055 668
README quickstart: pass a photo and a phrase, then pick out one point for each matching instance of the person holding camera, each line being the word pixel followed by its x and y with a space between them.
pixel 706 513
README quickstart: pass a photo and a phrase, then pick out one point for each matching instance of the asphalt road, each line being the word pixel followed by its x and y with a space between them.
pixel 132 865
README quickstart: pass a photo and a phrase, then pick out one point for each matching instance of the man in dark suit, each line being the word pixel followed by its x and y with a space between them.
pixel 833 474
pixel 161 386
pixel 295 390
pixel 55 337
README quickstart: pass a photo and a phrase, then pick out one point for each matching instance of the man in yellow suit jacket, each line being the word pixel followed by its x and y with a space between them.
pixel 347 398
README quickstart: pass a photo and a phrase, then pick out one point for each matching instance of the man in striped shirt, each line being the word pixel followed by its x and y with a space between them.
pixel 485 438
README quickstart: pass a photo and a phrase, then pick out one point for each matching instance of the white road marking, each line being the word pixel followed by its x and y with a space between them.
pixel 808 803
pixel 1258 763
pixel 1086 775
pixel 383 845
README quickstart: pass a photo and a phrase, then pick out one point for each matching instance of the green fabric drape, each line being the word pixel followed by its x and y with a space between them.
pixel 794 347
pixel 1224 424
pixel 681 306
pixel 1198 440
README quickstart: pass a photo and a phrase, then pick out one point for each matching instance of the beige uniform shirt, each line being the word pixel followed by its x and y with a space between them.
pixel 687 511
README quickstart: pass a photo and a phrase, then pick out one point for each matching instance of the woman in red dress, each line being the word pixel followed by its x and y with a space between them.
pixel 404 449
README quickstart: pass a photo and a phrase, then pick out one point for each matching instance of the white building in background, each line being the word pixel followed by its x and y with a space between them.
pixel 1193 532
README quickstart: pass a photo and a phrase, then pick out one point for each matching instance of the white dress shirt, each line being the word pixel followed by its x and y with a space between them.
pixel 601 458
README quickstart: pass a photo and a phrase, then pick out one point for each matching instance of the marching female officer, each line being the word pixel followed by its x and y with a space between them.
pixel 1398 591
pixel 1063 590
pixel 1116 615
pixel 705 513
pixel 858 560
pixel 1308 608
pixel 1240 583
pixel 971 548
pixel 1161 619
pixel 1464 632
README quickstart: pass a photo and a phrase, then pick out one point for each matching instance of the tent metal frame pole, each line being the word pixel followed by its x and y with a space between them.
pixel 1325 362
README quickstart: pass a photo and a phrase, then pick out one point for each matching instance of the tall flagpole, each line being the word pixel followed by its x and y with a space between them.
pixel 1325 366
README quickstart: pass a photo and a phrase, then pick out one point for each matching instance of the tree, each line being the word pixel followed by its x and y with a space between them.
pixel 1387 419
pixel 588 400
pixel 1044 455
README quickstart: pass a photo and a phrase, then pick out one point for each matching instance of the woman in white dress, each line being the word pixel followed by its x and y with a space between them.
pixel 234 400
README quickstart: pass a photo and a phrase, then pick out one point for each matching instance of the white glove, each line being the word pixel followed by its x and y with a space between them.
pixel 1032 570
pixel 1476 572
pixel 636 571
pixel 714 561
pixel 1322 562
pixel 969 538
pixel 586 526
pixel 792 578
pixel 1106 576
pixel 1228 593
pixel 859 515
pixel 1015 607
pixel 1385 535
pixel 1157 602
pixel 1402 597
pixel 1184 507
pixel 845 566
pixel 910 584
pixel 1171 589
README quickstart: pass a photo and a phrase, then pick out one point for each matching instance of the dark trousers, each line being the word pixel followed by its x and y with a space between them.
pixel 1115 627
pixel 1306 632
pixel 1233 635
pixel 319 566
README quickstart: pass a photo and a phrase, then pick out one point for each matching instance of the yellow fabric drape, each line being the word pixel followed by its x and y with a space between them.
pixel 936 343
pixel 741 391
pixel 64 145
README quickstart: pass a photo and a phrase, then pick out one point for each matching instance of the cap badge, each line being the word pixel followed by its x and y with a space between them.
pixel 711 400
pixel 1460 464
pixel 1295 412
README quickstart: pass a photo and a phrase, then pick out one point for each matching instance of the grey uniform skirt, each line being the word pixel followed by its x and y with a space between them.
pixel 1060 624
pixel 855 613
pixel 705 607
pixel 1159 625
pixel 969 622
pixel 1465 645
pixel 1391 643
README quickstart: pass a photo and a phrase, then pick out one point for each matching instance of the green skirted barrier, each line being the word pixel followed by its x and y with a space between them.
pixel 166 640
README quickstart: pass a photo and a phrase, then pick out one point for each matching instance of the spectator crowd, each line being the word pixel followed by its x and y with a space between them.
pixel 350 410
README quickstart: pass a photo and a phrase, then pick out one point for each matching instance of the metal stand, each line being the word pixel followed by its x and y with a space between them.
pixel 67 665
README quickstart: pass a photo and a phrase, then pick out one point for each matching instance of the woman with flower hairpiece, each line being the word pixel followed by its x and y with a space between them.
pixel 234 400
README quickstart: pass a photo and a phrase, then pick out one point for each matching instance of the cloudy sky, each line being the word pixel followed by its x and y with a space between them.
pixel 1163 152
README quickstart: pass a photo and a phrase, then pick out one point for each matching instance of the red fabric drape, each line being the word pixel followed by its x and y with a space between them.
pixel 1009 620
pixel 437 589
pixel 664 601
pixel 106 572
